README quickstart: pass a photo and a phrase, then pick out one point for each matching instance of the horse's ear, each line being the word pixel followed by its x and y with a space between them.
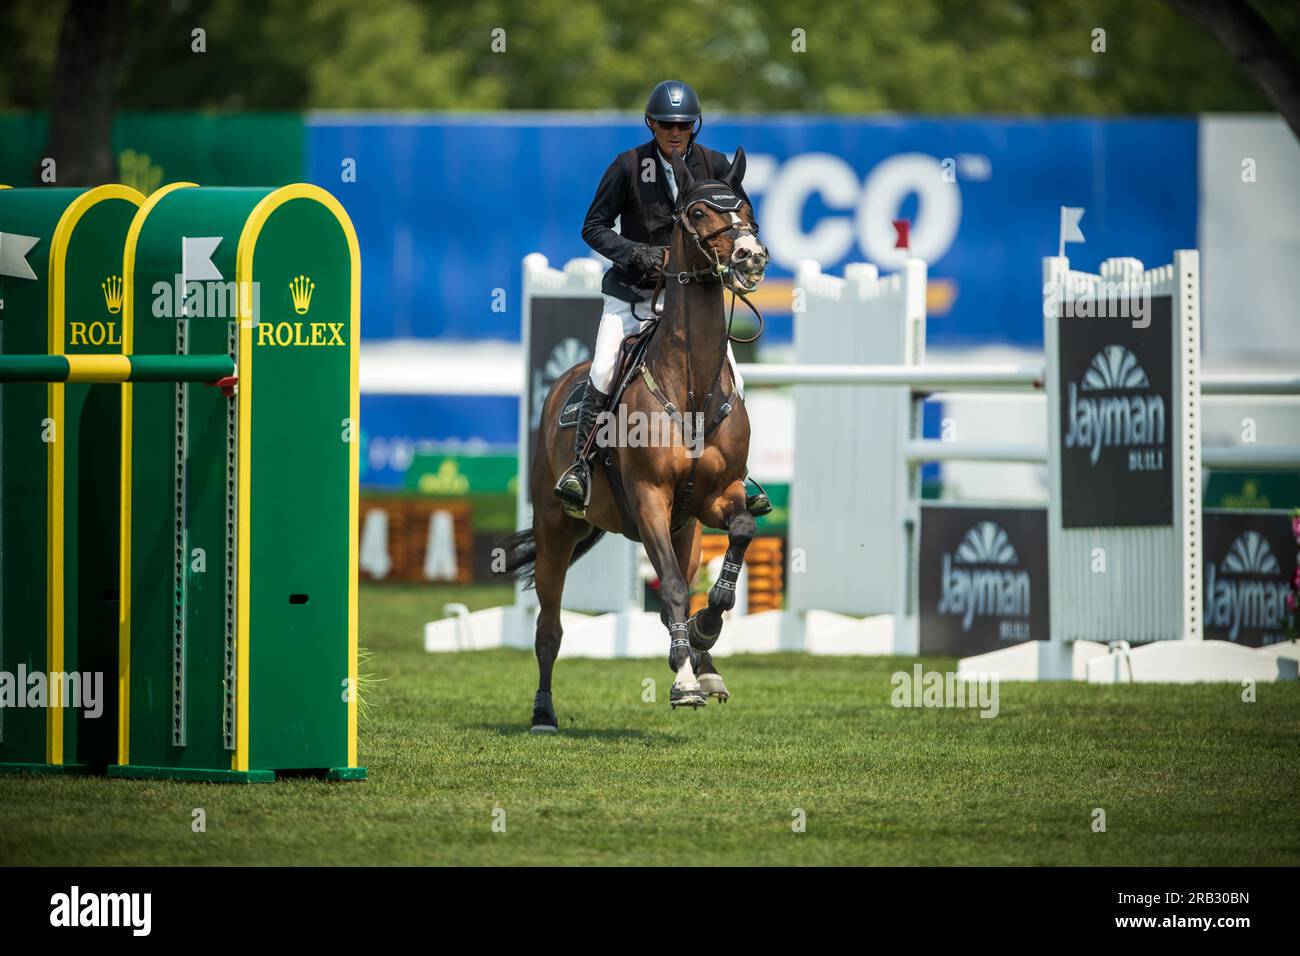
pixel 736 174
pixel 685 181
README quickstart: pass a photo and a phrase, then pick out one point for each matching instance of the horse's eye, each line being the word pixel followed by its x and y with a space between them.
pixel 697 214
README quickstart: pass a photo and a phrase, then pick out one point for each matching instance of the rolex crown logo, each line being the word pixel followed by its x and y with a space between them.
pixel 301 289
pixel 112 287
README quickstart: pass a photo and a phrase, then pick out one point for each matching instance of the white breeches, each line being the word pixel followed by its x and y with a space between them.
pixel 619 321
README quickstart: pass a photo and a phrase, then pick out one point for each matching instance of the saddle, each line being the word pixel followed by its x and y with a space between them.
pixel 626 366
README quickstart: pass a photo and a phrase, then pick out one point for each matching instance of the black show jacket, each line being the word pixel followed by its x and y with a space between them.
pixel 646 209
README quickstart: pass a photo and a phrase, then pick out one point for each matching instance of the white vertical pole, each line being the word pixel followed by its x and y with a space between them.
pixel 1055 653
pixel 1187 436
pixel 905 538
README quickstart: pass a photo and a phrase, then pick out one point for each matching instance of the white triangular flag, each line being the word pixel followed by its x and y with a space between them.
pixel 13 255
pixel 1070 231
pixel 196 258
pixel 196 263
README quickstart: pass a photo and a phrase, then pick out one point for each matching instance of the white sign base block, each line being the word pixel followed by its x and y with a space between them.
pixel 811 632
pixel 1033 660
pixel 509 626
pixel 633 633
pixel 640 634
pixel 1191 662
pixel 1287 649
pixel 1165 662
pixel 629 633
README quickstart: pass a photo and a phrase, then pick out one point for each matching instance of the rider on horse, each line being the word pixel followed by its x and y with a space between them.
pixel 639 187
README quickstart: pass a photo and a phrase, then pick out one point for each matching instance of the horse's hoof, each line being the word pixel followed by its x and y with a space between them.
pixel 544 720
pixel 712 685
pixel 699 640
pixel 680 697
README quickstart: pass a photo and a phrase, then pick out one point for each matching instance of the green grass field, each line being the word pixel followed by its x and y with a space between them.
pixel 1186 775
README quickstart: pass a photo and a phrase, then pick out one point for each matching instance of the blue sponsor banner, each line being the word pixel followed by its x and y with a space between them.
pixel 447 207
pixel 395 428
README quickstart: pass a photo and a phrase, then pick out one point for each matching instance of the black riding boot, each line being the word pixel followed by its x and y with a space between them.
pixel 574 486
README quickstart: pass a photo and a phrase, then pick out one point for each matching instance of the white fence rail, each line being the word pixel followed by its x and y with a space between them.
pixel 855 497
pixel 920 378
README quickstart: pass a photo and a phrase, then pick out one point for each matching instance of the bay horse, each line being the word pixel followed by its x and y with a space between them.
pixel 673 489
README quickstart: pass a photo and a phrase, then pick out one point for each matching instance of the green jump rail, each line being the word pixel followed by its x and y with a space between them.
pixel 116 368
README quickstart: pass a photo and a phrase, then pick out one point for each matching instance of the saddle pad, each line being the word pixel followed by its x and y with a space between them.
pixel 569 410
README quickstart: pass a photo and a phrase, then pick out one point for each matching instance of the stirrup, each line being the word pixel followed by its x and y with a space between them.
pixel 758 503
pixel 575 505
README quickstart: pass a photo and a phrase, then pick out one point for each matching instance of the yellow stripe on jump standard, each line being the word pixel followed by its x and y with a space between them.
pixel 98 368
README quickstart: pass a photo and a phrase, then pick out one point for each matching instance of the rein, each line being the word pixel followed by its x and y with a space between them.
pixel 717 271
pixel 724 275
pixel 709 276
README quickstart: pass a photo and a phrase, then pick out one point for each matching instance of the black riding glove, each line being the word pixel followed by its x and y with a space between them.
pixel 649 259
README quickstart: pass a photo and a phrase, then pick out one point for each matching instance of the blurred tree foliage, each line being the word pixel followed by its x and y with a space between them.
pixel 913 56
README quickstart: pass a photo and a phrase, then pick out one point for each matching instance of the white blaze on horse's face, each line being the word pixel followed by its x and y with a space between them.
pixel 748 258
pixel 731 241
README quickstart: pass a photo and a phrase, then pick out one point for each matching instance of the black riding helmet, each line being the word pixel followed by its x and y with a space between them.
pixel 672 101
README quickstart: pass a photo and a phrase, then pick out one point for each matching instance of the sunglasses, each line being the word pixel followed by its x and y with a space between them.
pixel 684 127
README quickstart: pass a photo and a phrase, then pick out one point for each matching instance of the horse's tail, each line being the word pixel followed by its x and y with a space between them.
pixel 521 553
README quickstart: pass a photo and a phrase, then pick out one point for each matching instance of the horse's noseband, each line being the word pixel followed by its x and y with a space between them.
pixel 719 198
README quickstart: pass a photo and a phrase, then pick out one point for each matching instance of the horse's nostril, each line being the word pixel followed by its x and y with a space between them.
pixel 740 254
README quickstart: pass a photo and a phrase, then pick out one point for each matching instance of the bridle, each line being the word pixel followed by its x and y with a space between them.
pixel 725 201
pixel 722 200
